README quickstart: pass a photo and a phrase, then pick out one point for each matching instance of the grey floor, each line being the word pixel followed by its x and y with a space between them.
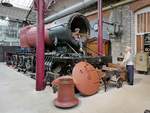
pixel 18 95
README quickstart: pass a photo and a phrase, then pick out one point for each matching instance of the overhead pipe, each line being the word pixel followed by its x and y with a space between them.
pixel 70 10
pixel 110 7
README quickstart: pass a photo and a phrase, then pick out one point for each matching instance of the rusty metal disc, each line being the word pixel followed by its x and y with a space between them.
pixel 86 78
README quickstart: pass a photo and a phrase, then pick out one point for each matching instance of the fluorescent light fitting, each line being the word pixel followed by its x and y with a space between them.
pixel 6 3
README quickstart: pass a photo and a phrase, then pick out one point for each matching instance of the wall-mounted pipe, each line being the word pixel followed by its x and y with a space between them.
pixel 110 7
pixel 80 6
pixel 70 10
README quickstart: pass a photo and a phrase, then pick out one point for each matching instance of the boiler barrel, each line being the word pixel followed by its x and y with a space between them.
pixel 28 36
pixel 61 29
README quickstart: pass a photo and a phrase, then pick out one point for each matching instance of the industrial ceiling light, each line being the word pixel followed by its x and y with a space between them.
pixel 6 3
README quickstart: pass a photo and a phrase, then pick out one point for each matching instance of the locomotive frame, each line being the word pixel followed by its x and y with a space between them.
pixel 62 51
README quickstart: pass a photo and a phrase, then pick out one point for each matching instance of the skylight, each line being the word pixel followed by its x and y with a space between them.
pixel 23 4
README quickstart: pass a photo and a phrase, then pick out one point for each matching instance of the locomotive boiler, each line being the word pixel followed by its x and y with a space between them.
pixel 61 48
pixel 59 31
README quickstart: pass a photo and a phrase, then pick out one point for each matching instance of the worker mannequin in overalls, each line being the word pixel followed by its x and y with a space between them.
pixel 77 37
pixel 128 61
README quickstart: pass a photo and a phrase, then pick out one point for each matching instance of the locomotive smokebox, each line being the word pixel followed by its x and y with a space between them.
pixel 60 29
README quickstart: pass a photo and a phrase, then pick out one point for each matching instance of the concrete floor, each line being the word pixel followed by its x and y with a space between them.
pixel 17 95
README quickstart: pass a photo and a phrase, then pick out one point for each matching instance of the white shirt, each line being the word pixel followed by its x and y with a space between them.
pixel 128 60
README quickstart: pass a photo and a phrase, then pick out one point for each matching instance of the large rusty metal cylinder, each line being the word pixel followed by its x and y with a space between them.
pixel 86 78
pixel 66 95
pixel 61 29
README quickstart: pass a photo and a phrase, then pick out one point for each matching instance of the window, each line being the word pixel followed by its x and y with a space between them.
pixel 143 22
pixel 23 4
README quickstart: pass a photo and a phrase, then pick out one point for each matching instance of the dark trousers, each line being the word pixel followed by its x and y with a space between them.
pixel 130 74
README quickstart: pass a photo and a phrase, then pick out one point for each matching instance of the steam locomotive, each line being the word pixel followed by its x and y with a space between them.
pixel 61 49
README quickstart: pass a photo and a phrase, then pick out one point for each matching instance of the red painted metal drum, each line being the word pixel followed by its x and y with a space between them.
pixel 86 78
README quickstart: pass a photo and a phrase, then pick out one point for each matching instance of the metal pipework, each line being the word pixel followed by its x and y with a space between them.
pixel 70 10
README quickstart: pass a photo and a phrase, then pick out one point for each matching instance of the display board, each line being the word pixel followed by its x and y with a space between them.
pixel 147 43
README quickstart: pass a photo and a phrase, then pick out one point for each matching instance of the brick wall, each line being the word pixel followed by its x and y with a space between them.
pixel 127 19
pixel 93 19
pixel 125 16
pixel 122 15
pixel 139 4
pixel 94 16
